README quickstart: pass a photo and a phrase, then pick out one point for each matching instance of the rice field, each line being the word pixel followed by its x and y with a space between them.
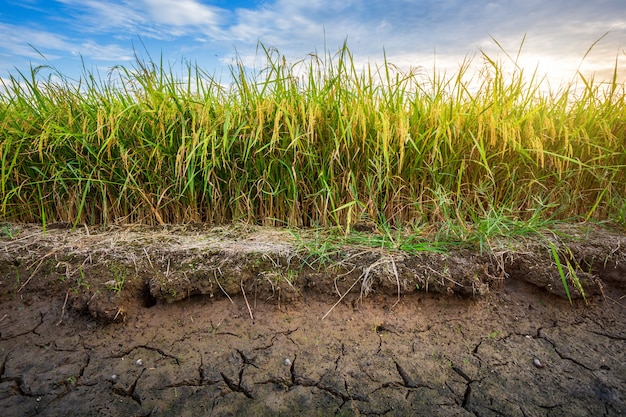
pixel 315 143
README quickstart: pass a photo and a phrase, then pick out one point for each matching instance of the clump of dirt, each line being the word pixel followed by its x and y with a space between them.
pixel 243 320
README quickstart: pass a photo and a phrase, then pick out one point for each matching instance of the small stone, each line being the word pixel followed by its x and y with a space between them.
pixel 287 362
pixel 139 362
pixel 538 363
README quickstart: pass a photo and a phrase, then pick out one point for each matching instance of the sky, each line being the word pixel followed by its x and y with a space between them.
pixel 556 34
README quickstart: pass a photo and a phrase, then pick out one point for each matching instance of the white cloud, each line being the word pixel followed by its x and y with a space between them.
pixel 182 12
pixel 92 16
pixel 110 52
pixel 12 39
pixel 157 19
pixel 43 46
pixel 384 26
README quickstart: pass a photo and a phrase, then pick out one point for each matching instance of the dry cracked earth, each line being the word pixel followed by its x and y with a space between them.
pixel 516 351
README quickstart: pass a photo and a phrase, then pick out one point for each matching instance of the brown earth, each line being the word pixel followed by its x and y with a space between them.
pixel 240 320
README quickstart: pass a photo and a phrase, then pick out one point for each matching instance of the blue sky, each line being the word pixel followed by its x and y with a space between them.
pixel 412 33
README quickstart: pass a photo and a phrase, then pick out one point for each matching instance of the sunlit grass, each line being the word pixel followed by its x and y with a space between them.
pixel 318 142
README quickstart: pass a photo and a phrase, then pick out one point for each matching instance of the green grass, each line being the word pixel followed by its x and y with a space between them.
pixel 316 143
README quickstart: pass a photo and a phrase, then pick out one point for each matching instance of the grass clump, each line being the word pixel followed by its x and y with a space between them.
pixel 314 143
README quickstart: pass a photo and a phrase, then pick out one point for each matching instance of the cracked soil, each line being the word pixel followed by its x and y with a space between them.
pixel 113 324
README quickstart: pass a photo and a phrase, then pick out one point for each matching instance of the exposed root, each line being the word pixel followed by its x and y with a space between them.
pixel 63 308
pixel 243 292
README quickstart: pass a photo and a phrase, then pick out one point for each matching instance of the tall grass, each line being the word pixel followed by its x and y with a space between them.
pixel 316 142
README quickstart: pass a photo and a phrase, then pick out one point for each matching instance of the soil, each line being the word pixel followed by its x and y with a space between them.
pixel 242 320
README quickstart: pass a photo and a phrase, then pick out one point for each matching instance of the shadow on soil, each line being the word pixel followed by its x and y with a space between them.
pixel 239 320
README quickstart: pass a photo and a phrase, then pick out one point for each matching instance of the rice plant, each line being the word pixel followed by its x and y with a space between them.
pixel 318 142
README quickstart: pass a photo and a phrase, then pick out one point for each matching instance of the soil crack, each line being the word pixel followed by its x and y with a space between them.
pixel 130 391
pixel 237 386
pixel 608 336
pixel 301 380
pixel 33 330
pixel 147 347
pixel 342 354
pixel 286 333
pixel 82 369
pixel 565 357
pixel 3 366
pixel 247 360
pixel 19 385
pixel 468 387
pixel 462 374
pixel 406 379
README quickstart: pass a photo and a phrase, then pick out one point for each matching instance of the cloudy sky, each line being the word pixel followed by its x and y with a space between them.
pixel 412 33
